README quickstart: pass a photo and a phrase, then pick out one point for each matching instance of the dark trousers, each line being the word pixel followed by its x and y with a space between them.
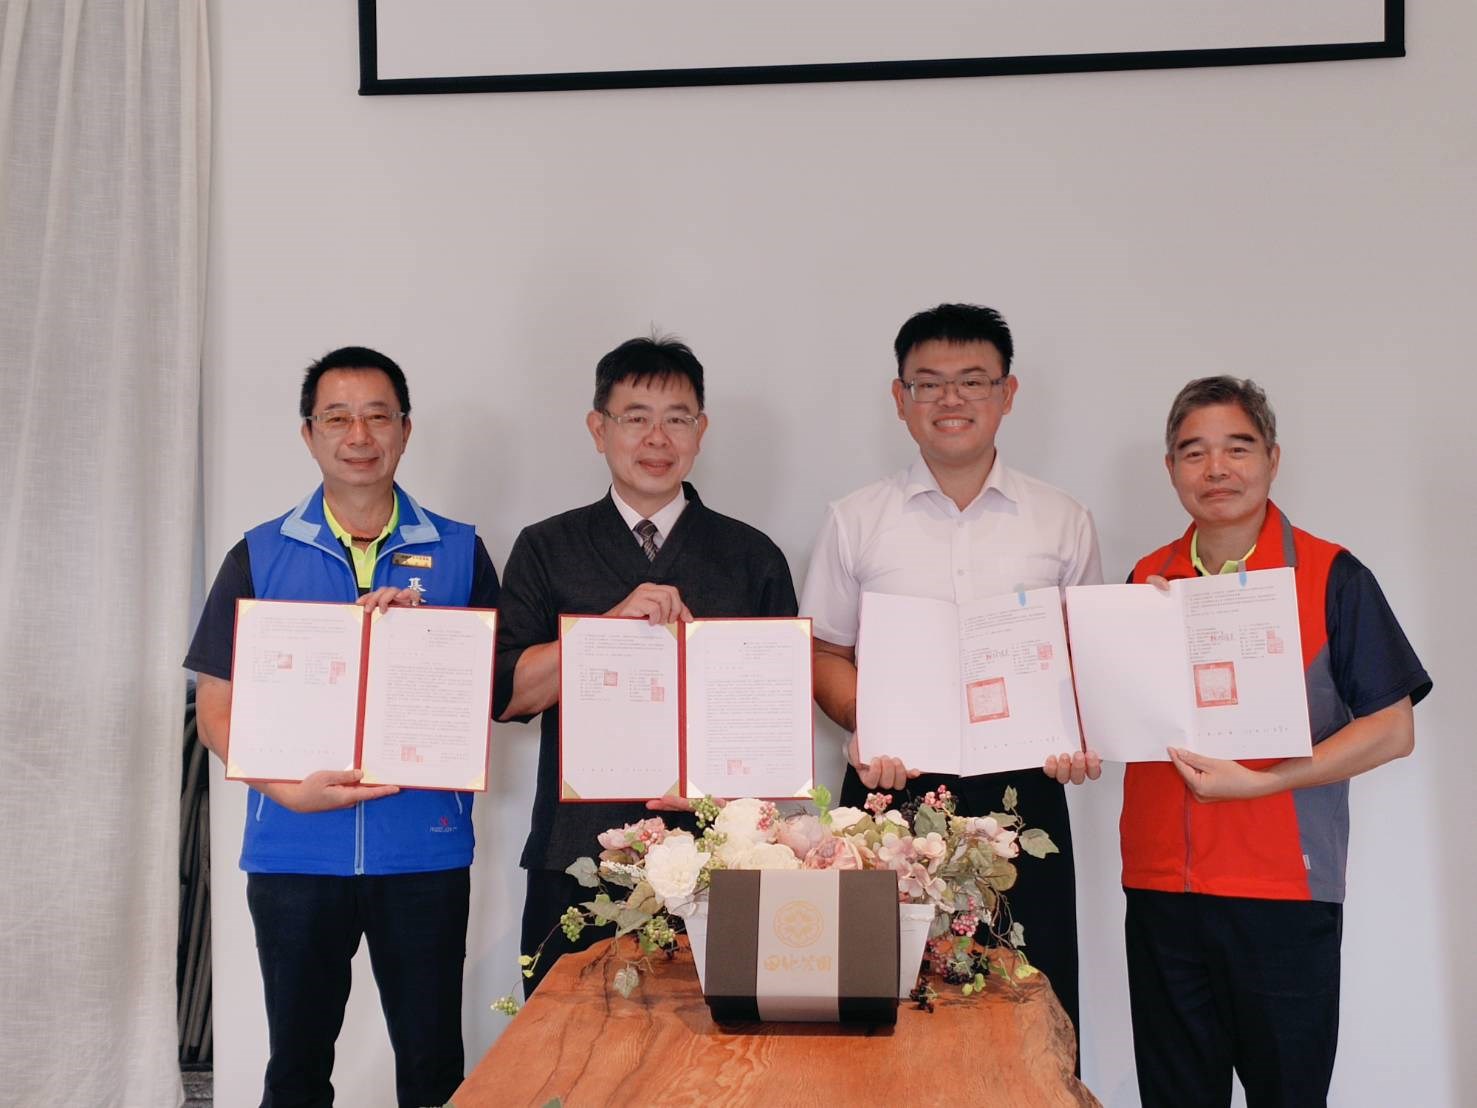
pixel 307 930
pixel 1221 983
pixel 550 893
pixel 1045 900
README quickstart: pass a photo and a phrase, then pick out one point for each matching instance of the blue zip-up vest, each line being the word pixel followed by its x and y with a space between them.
pixel 297 557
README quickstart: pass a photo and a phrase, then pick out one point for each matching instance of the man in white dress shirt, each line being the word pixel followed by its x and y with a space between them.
pixel 957 525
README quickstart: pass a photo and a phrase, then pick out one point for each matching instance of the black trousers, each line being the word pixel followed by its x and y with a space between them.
pixel 1230 983
pixel 1045 900
pixel 307 930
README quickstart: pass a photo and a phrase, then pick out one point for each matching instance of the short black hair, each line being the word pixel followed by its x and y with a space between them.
pixel 957 324
pixel 657 359
pixel 353 358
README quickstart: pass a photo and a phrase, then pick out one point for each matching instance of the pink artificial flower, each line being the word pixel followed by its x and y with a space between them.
pixel 836 853
pixel 802 834
pixel 877 803
pixel 648 831
pixel 895 851
pixel 930 850
pixel 1004 844
pixel 919 885
pixel 965 923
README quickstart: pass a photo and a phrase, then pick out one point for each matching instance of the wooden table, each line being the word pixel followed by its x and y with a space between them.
pixel 580 1041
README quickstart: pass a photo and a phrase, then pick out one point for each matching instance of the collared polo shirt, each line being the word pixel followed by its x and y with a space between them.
pixel 902 535
pixel 1226 567
pixel 363 559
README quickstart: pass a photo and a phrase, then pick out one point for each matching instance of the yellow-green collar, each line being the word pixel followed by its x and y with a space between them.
pixel 363 559
pixel 1228 567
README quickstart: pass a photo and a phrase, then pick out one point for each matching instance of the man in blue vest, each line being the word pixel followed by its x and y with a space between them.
pixel 329 860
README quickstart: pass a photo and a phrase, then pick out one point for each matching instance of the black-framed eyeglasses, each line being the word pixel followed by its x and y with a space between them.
pixel 640 423
pixel 930 390
pixel 338 422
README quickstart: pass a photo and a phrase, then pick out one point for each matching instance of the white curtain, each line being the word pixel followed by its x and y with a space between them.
pixel 104 155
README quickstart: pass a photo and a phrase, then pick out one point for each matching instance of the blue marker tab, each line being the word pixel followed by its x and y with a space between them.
pixel 1241 572
pixel 1020 595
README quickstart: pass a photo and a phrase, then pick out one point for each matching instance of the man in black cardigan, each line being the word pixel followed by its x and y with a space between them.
pixel 649 548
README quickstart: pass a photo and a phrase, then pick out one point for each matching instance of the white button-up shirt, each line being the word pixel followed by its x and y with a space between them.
pixel 903 535
pixel 665 518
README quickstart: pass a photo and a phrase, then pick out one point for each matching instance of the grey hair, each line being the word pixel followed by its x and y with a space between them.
pixel 1205 391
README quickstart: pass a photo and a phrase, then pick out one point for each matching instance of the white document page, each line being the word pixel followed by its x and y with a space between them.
pixel 294 689
pixel 749 720
pixel 1015 682
pixel 1128 652
pixel 618 737
pixel 1245 651
pixel 1214 666
pixel 907 703
pixel 428 698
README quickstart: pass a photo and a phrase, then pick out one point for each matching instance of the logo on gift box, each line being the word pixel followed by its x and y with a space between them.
pixel 798 923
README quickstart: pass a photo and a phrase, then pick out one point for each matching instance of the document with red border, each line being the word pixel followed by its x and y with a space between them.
pixel 712 707
pixel 405 695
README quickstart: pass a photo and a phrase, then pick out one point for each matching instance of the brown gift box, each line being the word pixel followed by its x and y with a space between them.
pixel 813 945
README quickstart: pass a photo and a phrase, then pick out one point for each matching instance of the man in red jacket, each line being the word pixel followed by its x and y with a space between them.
pixel 1234 871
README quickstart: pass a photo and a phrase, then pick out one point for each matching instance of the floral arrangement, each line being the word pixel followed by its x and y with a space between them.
pixel 647 874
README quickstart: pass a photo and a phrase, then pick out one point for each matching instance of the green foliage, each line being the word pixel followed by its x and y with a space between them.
pixel 626 979
pixel 643 898
pixel 1037 843
pixel 603 908
pixel 706 809
pixel 821 797
pixel 506 1005
pixel 630 919
pixel 929 820
pixel 586 872
pixel 572 922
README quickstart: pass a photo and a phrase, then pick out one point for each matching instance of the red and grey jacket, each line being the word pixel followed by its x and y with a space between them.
pixel 1289 846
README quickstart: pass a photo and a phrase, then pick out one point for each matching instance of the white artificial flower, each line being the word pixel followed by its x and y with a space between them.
pixel 673 867
pixel 741 820
pixel 731 853
pixel 842 818
pixel 892 815
pixel 766 856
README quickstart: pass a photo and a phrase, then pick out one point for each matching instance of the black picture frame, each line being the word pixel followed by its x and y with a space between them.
pixel 371 84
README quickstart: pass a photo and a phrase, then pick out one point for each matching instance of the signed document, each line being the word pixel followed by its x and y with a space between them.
pixel 967 689
pixel 1214 666
pixel 750 725
pixel 715 707
pixel 405 695
pixel 428 698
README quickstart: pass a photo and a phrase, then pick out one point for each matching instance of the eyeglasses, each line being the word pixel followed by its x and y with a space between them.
pixel 336 423
pixel 639 424
pixel 930 390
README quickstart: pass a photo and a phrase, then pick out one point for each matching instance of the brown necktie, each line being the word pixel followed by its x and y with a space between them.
pixel 646 532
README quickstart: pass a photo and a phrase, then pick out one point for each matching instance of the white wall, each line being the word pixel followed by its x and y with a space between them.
pixel 1309 225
